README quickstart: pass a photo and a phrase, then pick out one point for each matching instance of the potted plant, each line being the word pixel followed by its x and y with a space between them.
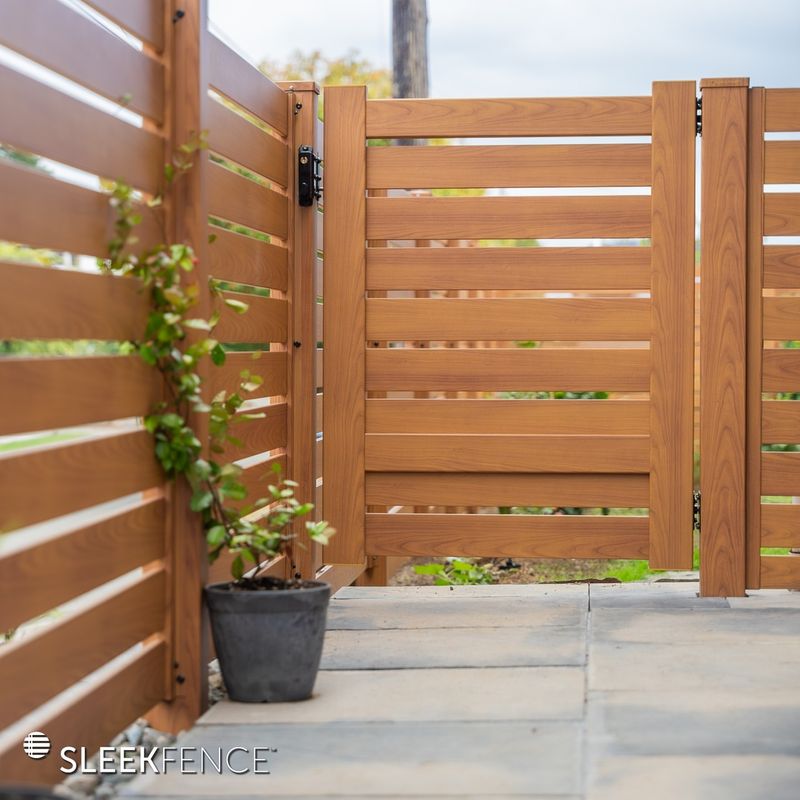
pixel 268 631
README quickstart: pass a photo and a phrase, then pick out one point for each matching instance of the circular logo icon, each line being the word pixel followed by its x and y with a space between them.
pixel 36 745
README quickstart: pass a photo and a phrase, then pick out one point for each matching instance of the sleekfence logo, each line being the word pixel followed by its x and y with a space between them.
pixel 139 760
pixel 36 745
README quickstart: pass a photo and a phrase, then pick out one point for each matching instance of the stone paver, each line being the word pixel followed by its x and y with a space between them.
pixel 609 691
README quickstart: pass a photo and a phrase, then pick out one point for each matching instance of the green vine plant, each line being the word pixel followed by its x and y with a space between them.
pixel 253 538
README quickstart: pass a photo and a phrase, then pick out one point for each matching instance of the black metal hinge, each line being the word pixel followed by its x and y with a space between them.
pixel 696 510
pixel 309 181
pixel 699 116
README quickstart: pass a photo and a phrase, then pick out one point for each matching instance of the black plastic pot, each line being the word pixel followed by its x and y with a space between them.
pixel 26 793
pixel 269 643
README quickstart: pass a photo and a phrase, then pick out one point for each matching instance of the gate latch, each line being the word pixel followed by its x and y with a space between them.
pixel 309 181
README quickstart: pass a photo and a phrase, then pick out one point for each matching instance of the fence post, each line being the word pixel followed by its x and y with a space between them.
pixel 302 97
pixel 672 338
pixel 723 332
pixel 344 322
pixel 187 221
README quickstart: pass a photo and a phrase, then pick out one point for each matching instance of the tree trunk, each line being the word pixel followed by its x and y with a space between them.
pixel 409 51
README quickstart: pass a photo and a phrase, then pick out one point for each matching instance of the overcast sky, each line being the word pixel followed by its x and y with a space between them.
pixel 539 47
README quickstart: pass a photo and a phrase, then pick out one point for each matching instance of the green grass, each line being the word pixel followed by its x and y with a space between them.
pixel 628 571
pixel 38 441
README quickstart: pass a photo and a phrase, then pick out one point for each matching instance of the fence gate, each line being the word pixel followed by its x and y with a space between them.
pixel 443 359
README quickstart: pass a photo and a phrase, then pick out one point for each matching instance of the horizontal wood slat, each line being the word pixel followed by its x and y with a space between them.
pixel 45 393
pixel 55 570
pixel 93 715
pixel 241 82
pixel 266 320
pixel 143 18
pixel 506 319
pixel 66 42
pixel 506 535
pixel 780 474
pixel 782 266
pixel 781 214
pixel 479 167
pixel 238 199
pixel 497 268
pixel 243 259
pixel 574 116
pixel 557 217
pixel 40 211
pixel 780 421
pixel 271 367
pixel 782 110
pixel 79 644
pixel 780 572
pixel 76 475
pixel 781 370
pixel 507 489
pixel 258 478
pixel 780 525
pixel 781 318
pixel 579 417
pixel 509 369
pixel 259 435
pixel 782 162
pixel 41 120
pixel 67 304
pixel 232 136
pixel 386 452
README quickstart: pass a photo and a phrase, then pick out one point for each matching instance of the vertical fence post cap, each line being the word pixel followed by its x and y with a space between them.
pixel 724 83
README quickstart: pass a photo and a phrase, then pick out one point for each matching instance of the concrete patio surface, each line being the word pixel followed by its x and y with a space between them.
pixel 570 691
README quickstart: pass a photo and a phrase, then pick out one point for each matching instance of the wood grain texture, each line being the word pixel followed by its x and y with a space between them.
pixel 755 326
pixel 780 572
pixel 781 318
pixel 781 266
pixel 91 717
pixel 780 473
pixel 781 160
pixel 259 435
pixel 66 304
pixel 556 217
pixel 507 489
pixel 509 369
pixel 573 116
pixel 481 166
pixel 46 393
pixel 266 320
pixel 83 137
pixel 780 525
pixel 672 326
pixel 143 18
pixel 499 268
pixel 39 211
pixel 241 82
pixel 780 423
pixel 579 417
pixel 78 643
pixel 507 319
pixel 271 367
pixel 344 323
pixel 781 214
pixel 723 330
pixel 386 452
pixel 76 476
pixel 243 259
pixel 782 110
pixel 781 370
pixel 506 535
pixel 234 137
pixel 46 574
pixel 67 42
pixel 238 199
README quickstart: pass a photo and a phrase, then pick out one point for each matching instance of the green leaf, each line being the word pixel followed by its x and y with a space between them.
pixel 237 568
pixel 238 306
pixel 216 535
pixel 429 569
pixel 195 323
pixel 218 355
pixel 201 500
